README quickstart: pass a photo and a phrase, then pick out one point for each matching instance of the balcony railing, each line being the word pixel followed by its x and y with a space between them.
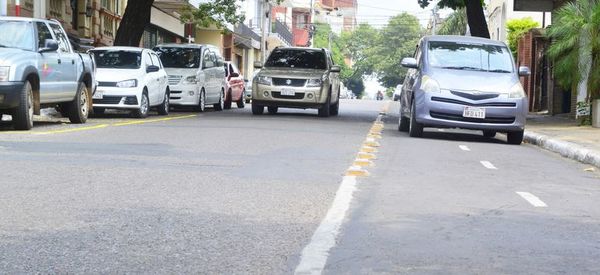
pixel 283 31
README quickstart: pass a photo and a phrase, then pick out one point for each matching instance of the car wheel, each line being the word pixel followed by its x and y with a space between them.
pixel 515 138
pixel 221 104
pixel 163 109
pixel 257 109
pixel 324 110
pixel 335 108
pixel 99 111
pixel 403 124
pixel 23 114
pixel 78 108
pixel 201 102
pixel 227 104
pixel 241 103
pixel 489 134
pixel 415 129
pixel 247 101
pixel 142 111
pixel 272 110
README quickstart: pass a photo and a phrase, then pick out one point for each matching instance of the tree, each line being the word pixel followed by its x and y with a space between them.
pixel 516 28
pixel 322 38
pixel 575 46
pixel 356 85
pixel 475 17
pixel 455 23
pixel 137 17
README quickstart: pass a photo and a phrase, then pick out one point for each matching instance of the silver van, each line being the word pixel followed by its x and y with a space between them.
pixel 196 74
pixel 463 82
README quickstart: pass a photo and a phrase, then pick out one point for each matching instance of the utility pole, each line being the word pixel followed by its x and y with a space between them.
pixel 263 21
pixel 312 21
pixel 434 19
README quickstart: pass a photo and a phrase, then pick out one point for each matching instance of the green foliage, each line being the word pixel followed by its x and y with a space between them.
pixel 356 85
pixel 455 24
pixel 577 34
pixel 321 40
pixel 215 12
pixel 516 29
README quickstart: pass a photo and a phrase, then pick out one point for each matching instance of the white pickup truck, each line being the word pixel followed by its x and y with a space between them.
pixel 39 69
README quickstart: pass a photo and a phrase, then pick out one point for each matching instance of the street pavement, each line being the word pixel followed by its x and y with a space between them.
pixel 228 192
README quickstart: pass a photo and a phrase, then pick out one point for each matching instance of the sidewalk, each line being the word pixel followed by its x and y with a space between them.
pixel 562 135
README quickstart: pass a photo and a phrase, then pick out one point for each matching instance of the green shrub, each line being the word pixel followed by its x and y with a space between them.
pixel 516 28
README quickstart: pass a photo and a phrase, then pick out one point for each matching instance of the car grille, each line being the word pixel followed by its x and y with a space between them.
pixel 488 104
pixel 490 120
pixel 480 96
pixel 114 100
pixel 296 96
pixel 107 84
pixel 292 82
pixel 174 79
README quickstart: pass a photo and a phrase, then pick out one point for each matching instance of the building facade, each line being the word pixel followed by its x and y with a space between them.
pixel 501 11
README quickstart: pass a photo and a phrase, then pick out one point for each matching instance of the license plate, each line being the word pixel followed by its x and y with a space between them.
pixel 98 95
pixel 288 92
pixel 474 112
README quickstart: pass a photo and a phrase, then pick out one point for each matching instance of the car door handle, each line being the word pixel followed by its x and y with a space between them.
pixel 73 61
pixel 59 61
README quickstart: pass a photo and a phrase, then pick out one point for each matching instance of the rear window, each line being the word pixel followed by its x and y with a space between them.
pixel 116 59
pixel 303 59
pixel 175 57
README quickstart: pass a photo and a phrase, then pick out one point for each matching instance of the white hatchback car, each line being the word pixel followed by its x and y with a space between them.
pixel 130 78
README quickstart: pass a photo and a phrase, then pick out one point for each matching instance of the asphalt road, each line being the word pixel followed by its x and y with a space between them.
pixel 228 192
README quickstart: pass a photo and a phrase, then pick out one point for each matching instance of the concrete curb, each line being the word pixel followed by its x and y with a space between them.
pixel 564 148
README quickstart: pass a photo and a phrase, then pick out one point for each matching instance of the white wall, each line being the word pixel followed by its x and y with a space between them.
pixel 500 11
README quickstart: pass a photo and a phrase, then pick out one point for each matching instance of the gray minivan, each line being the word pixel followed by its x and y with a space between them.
pixel 463 82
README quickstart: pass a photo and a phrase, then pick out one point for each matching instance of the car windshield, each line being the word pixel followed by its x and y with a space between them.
pixel 118 59
pixel 304 59
pixel 16 34
pixel 463 56
pixel 175 57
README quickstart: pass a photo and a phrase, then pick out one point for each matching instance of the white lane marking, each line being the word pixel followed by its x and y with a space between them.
pixel 314 255
pixel 464 147
pixel 441 130
pixel 488 165
pixel 535 201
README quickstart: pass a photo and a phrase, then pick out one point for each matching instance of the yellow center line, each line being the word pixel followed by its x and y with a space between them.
pixel 133 122
pixel 71 130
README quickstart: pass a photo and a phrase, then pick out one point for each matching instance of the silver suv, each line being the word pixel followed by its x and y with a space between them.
pixel 297 78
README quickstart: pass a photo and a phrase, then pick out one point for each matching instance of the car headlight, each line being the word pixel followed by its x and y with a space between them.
pixel 4 72
pixel 264 80
pixel 127 83
pixel 190 80
pixel 314 82
pixel 517 91
pixel 429 85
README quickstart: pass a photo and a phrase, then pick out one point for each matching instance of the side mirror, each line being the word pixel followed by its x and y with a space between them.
pixel 50 45
pixel 208 64
pixel 335 69
pixel 152 69
pixel 409 62
pixel 524 71
pixel 257 64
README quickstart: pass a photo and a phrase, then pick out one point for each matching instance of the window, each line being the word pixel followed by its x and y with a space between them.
pixel 43 33
pixel 17 34
pixel 475 57
pixel 177 57
pixel 304 59
pixel 117 59
pixel 63 42
pixel 155 60
pixel 206 58
pixel 111 5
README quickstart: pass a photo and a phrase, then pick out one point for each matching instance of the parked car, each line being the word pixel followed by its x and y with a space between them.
pixel 39 69
pixel 132 79
pixel 235 86
pixel 196 74
pixel 295 77
pixel 463 82
pixel 248 92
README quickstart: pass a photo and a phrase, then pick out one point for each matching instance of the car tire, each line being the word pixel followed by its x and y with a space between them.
pixel 144 108
pixel 227 104
pixel 163 108
pixel 221 104
pixel 272 110
pixel 324 111
pixel 403 123
pixel 489 134
pixel 335 108
pixel 515 138
pixel 23 114
pixel 415 129
pixel 79 108
pixel 99 111
pixel 241 103
pixel 201 102
pixel 257 109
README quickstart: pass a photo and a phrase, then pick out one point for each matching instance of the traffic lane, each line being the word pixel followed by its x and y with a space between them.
pixel 431 207
pixel 215 192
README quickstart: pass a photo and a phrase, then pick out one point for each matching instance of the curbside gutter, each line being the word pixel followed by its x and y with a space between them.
pixel 564 148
